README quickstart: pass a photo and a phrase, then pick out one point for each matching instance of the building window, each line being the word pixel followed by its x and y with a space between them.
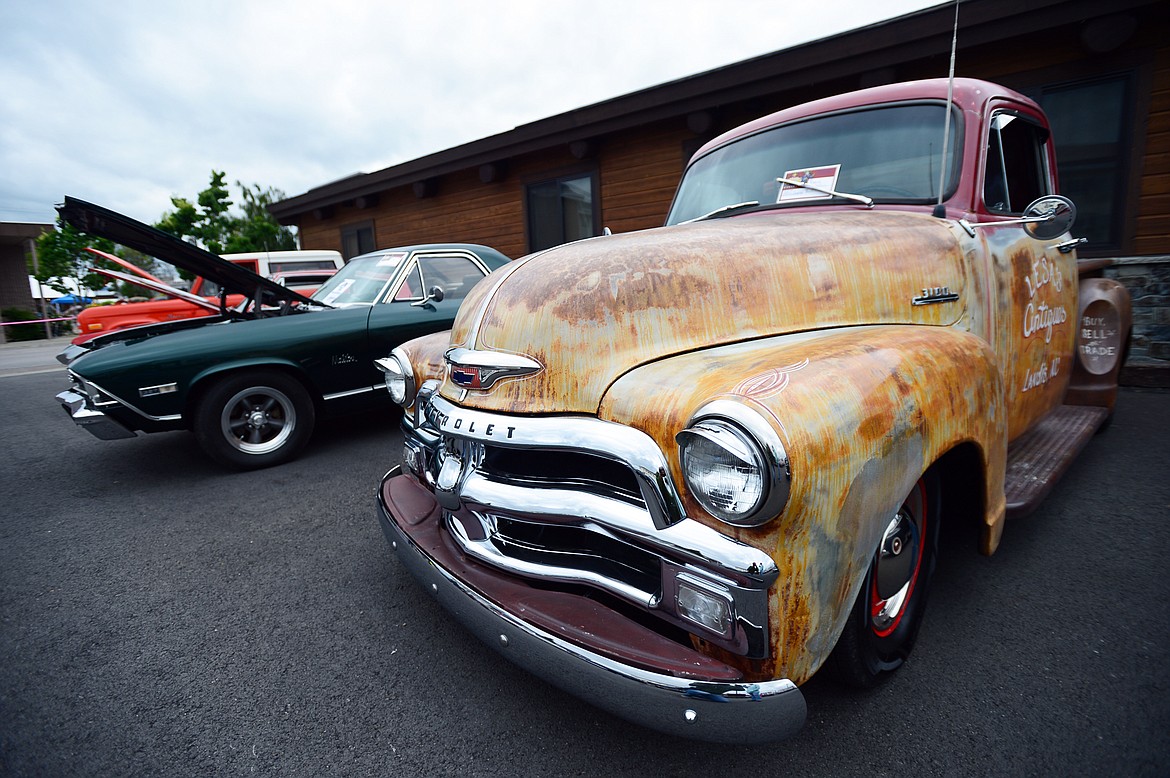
pixel 1090 123
pixel 560 211
pixel 357 239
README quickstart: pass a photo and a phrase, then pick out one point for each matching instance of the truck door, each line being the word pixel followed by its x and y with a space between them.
pixel 1036 284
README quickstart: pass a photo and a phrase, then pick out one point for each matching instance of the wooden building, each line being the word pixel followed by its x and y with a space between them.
pixel 17 243
pixel 1101 71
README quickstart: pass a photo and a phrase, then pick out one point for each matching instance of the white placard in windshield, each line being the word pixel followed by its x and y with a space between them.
pixel 337 291
pixel 391 260
pixel 824 177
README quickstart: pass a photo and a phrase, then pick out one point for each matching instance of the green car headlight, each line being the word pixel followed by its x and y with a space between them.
pixel 734 464
pixel 399 377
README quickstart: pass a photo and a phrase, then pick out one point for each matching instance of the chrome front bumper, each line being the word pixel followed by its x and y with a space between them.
pixel 723 711
pixel 94 421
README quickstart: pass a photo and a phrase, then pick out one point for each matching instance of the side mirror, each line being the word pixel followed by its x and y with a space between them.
pixel 1049 217
pixel 436 295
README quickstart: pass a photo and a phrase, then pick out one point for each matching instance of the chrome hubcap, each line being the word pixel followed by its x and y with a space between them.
pixel 897 566
pixel 258 420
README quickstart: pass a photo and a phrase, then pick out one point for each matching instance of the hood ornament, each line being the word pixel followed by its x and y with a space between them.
pixel 482 369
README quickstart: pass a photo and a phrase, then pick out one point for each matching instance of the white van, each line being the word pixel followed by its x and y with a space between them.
pixel 269 263
pixel 303 271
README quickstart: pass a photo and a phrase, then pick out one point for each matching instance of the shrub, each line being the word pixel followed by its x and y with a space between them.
pixel 17 332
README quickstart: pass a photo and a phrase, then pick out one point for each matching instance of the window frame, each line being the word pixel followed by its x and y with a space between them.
pixel 1043 163
pixel 557 177
pixel 414 268
pixel 348 230
pixel 1130 153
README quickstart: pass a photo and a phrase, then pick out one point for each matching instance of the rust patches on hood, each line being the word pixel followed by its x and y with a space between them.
pixel 591 311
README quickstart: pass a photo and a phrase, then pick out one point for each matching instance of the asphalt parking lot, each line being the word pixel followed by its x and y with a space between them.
pixel 161 616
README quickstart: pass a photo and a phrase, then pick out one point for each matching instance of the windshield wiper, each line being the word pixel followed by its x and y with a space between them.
pixel 722 210
pixel 866 201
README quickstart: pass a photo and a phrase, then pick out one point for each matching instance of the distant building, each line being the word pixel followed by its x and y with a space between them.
pixel 16 243
pixel 1100 70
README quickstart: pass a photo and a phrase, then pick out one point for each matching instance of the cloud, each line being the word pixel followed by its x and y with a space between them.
pixel 130 103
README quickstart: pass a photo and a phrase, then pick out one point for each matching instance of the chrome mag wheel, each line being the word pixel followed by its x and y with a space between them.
pixel 258 420
pixel 254 419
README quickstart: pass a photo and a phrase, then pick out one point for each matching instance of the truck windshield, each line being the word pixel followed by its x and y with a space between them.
pixel 891 154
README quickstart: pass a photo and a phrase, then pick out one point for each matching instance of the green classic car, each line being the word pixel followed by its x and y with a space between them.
pixel 251 381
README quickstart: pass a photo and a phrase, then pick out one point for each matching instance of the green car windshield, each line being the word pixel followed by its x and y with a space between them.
pixel 890 154
pixel 361 282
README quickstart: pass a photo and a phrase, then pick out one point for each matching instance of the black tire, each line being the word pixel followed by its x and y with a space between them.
pixel 254 419
pixel 885 618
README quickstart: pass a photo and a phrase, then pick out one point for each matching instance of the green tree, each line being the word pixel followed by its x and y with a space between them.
pixel 258 230
pixel 210 223
pixel 61 255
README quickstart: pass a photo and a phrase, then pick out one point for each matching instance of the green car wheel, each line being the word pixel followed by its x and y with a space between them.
pixel 254 419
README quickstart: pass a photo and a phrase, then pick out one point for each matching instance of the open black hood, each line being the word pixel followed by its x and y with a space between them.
pixel 234 279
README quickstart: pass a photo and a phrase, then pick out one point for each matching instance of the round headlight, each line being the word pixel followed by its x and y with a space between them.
pixel 734 464
pixel 399 377
pixel 724 469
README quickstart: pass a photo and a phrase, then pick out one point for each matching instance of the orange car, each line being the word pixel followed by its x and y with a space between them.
pixel 300 270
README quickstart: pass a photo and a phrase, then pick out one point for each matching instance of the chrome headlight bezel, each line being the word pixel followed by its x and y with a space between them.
pixel 399 377
pixel 747 438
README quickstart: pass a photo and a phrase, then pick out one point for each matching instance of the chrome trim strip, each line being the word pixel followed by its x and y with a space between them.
pixel 120 401
pixel 730 712
pixel 351 392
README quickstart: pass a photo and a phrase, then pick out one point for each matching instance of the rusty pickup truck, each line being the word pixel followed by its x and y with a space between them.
pixel 677 472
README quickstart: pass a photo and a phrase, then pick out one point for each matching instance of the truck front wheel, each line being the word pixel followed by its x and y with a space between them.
pixel 884 620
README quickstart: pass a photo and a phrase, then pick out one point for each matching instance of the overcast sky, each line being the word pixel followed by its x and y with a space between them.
pixel 127 103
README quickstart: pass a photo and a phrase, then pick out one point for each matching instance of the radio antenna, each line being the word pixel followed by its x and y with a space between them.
pixel 942 171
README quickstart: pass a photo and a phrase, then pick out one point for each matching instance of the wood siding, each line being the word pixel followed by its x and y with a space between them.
pixel 638 169
pixel 1153 223
pixel 639 174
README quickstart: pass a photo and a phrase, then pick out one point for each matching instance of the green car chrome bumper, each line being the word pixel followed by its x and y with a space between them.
pixel 90 419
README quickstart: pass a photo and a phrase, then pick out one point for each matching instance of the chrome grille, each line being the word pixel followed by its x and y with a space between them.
pixel 560 469
pixel 585 504
pixel 580 549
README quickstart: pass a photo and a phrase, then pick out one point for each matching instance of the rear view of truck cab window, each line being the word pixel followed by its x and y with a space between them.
pixel 1017 164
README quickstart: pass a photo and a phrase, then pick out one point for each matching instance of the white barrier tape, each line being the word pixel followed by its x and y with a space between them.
pixel 37 321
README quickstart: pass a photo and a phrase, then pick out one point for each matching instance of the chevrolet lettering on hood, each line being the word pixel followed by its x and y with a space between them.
pixel 678 472
pixel 454 423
